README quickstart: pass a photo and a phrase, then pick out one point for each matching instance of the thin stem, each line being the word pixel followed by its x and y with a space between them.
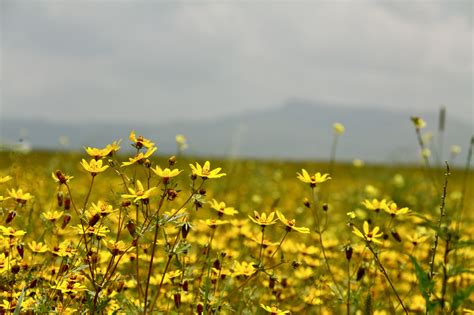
pixel 387 277
pixel 348 302
pixel 441 217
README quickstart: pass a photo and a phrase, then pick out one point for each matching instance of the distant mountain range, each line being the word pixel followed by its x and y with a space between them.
pixel 297 130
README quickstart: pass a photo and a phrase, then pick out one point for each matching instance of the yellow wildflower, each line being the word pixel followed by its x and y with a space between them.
pixel 392 209
pixel 263 219
pixel 338 128
pixel 5 179
pixel 94 167
pixel 418 122
pixel 139 193
pixel 205 171
pixel 140 141
pixel 19 195
pixel 274 310
pixel 313 180
pixel 290 224
pixel 166 173
pixel 37 247
pixel 222 208
pixel 140 157
pixel 367 235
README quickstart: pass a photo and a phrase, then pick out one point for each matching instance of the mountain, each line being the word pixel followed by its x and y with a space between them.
pixel 297 130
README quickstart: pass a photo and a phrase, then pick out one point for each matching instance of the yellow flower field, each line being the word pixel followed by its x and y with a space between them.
pixel 109 231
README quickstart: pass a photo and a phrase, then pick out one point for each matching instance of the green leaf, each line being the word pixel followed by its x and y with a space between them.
pixel 20 301
pixel 426 285
pixel 462 295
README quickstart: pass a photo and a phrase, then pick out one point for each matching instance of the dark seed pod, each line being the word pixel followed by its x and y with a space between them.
pixel 67 203
pixel 396 236
pixel 16 269
pixel 325 207
pixel 272 282
pixel 11 215
pixel 200 308
pixel 217 264
pixel 20 250
pixel 348 251
pixel 360 273
pixel 66 219
pixel 185 286
pixel 94 219
pixel 60 198
pixel 131 227
pixel 177 300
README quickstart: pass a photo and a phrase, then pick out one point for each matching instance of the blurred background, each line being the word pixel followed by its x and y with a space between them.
pixel 238 79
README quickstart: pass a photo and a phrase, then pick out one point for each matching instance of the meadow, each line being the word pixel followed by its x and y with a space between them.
pixel 101 231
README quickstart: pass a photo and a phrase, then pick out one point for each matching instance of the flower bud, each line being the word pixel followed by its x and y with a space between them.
pixel 66 219
pixel 348 250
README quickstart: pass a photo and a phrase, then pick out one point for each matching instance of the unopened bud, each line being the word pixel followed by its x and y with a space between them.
pixel 67 203
pixel 60 198
pixel 172 160
pixel 177 299
pixel 131 227
pixel 66 219
pixel 11 215
pixel 306 203
pixel 360 273
pixel 348 250
pixel 20 250
pixel 95 218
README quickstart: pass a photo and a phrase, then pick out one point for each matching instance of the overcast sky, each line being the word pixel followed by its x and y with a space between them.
pixel 155 61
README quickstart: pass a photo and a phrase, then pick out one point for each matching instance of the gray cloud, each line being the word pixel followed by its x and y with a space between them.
pixel 156 61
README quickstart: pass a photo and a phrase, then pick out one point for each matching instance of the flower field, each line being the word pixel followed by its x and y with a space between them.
pixel 113 231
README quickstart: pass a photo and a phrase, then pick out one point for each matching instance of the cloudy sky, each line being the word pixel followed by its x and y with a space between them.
pixel 154 61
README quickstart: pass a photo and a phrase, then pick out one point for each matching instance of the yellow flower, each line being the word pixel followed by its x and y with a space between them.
pixel 290 224
pixel 38 247
pixel 221 208
pixel 69 287
pixel 418 122
pixel 139 193
pixel 392 209
pixel 375 204
pixel 102 208
pixel 205 171
pixel 117 248
pixel 100 231
pixel 19 195
pixel 181 142
pixel 11 232
pixel 274 310
pixel 61 178
pixel 140 157
pixel 367 235
pixel 140 141
pixel 263 220
pixel 65 249
pixel 243 269
pixel 5 179
pixel 94 166
pixel 52 215
pixel 338 128
pixel 166 173
pixel 313 180
pixel 3 198
pixel 455 150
